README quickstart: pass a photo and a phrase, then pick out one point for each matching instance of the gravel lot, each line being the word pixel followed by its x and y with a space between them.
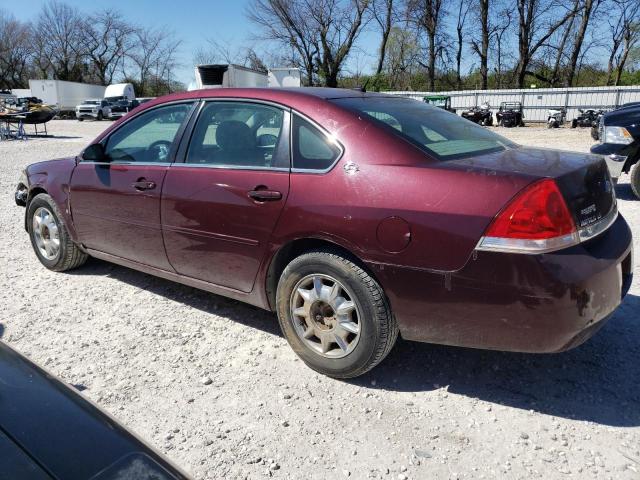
pixel 213 384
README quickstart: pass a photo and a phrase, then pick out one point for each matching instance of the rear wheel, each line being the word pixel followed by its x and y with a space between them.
pixel 334 314
pixel 49 236
pixel 635 179
pixel 99 116
pixel 80 119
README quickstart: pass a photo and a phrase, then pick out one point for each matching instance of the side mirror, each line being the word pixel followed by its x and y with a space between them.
pixel 95 153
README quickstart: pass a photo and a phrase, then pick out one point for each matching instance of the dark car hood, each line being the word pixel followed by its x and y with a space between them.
pixel 624 117
pixel 49 429
pixel 48 166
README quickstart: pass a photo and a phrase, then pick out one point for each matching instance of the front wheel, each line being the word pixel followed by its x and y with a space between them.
pixel 334 315
pixel 49 236
pixel 99 116
pixel 635 179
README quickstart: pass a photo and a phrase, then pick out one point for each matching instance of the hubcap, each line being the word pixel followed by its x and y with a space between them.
pixel 45 233
pixel 325 315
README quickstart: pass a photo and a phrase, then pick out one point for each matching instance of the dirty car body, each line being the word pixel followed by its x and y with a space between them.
pixel 415 197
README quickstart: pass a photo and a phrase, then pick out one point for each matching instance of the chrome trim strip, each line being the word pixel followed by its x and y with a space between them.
pixel 534 247
pixel 148 164
pixel 227 167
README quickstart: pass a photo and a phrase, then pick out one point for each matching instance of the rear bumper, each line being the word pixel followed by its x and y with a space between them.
pixel 529 303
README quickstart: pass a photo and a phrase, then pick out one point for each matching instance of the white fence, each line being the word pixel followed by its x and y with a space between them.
pixel 537 101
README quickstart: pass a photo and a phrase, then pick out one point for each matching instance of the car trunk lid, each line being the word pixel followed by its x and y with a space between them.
pixel 583 179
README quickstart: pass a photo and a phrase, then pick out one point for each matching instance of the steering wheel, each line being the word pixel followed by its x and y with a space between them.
pixel 267 140
pixel 158 151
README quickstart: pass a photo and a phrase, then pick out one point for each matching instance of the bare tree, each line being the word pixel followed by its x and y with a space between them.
pixel 481 48
pixel 562 44
pixel 223 52
pixel 588 8
pixel 500 31
pixel 322 32
pixel 428 15
pixel 58 34
pixel 463 11
pixel 383 13
pixel 106 39
pixel 538 20
pixel 153 58
pixel 15 51
pixel 624 31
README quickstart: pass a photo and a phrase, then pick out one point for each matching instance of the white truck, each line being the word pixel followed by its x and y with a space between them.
pixel 229 76
pixel 65 96
pixel 96 108
pixel 120 91
pixel 284 77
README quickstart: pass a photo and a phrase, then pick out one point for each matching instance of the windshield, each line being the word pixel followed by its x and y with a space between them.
pixel 115 99
pixel 439 133
pixel 436 102
pixel 92 102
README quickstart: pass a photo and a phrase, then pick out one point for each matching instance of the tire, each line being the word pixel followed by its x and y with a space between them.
pixel 80 119
pixel 635 180
pixel 67 254
pixel 574 123
pixel 377 329
pixel 99 116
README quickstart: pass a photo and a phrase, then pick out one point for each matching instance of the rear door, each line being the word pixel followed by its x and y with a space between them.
pixel 220 206
pixel 115 203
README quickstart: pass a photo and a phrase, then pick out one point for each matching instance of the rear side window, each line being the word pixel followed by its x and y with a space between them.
pixel 312 149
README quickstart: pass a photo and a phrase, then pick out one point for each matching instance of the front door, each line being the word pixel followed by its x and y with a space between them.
pixel 115 203
pixel 221 205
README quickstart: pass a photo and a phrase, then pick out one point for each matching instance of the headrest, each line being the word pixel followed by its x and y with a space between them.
pixel 234 135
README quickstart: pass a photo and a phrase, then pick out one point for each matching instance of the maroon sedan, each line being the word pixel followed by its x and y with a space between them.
pixel 354 216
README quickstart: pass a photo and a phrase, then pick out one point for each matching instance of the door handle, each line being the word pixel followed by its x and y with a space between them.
pixel 264 195
pixel 144 185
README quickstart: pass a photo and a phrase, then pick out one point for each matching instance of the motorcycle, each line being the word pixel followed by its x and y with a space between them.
pixel 587 118
pixel 556 117
pixel 481 115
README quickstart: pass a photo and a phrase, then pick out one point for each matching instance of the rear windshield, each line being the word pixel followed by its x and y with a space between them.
pixel 441 134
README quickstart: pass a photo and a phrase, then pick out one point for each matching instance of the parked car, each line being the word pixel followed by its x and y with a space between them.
pixel 121 106
pixel 619 135
pixel 587 118
pixel 440 101
pixel 510 114
pixel 481 115
pixel 352 215
pixel 49 431
pixel 96 108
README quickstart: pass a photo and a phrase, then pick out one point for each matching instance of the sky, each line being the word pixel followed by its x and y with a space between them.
pixel 193 21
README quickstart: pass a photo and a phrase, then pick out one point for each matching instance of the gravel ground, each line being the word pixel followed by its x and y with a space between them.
pixel 213 384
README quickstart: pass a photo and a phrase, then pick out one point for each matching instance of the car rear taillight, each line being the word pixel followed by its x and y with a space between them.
pixel 537 220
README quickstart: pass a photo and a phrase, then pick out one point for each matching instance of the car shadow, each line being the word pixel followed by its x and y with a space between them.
pixel 207 302
pixel 597 381
pixel 624 192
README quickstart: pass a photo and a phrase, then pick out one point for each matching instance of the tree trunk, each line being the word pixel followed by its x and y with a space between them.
pixel 484 23
pixel 587 10
pixel 386 30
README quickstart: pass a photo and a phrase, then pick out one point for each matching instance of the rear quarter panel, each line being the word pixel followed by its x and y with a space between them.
pixel 447 206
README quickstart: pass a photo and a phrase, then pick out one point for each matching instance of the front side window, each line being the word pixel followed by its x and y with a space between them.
pixel 441 134
pixel 239 135
pixel 148 137
pixel 312 149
